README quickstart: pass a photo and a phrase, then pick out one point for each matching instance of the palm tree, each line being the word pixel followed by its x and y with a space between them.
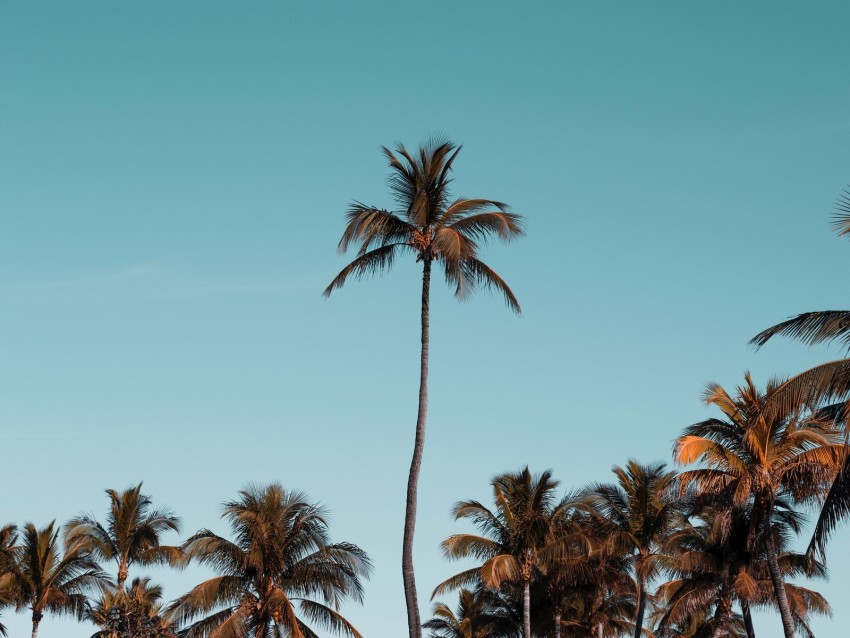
pixel 636 512
pixel 47 581
pixel 433 228
pixel 135 612
pixel 711 567
pixel 514 539
pixel 280 558
pixel 757 456
pixel 481 613
pixel 132 534
pixel 8 539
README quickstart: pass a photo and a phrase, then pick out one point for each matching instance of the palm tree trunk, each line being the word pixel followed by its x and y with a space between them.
pixel 36 619
pixel 526 609
pixel 558 624
pixel 748 620
pixel 723 612
pixel 414 624
pixel 641 610
pixel 122 575
pixel 779 587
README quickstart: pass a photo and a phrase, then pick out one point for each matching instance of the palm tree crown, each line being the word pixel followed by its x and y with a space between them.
pixel 514 538
pixel 280 559
pixel 636 513
pixel 46 580
pixel 132 533
pixel 429 225
pixel 758 455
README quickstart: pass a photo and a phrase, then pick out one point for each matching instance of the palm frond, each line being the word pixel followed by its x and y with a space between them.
pixel 370 263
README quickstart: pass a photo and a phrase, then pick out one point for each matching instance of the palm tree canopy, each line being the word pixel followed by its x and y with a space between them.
pixel 759 452
pixel 428 224
pixel 512 537
pixel 132 534
pixel 46 580
pixel 480 613
pixel 136 612
pixel 280 559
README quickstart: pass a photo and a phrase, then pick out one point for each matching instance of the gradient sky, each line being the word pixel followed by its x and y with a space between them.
pixel 172 183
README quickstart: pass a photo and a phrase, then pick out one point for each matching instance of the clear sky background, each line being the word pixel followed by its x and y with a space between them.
pixel 173 177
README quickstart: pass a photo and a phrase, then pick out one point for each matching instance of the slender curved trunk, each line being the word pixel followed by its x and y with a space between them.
pixel 122 574
pixel 723 612
pixel 526 609
pixel 600 630
pixel 557 624
pixel 779 587
pixel 748 620
pixel 641 610
pixel 414 623
pixel 36 619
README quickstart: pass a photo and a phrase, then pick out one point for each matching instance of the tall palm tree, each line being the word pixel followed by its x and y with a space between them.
pixel 46 580
pixel 132 534
pixel 280 559
pixel 514 538
pixel 134 612
pixel 431 227
pixel 757 456
pixel 637 512
pixel 480 613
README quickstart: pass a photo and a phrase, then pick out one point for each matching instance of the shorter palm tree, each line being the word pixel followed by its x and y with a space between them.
pixel 132 534
pixel 636 513
pixel 136 612
pixel 280 559
pixel 46 580
pixel 513 539
pixel 480 613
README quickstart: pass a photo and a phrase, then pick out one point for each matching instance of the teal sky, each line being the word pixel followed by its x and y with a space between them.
pixel 172 183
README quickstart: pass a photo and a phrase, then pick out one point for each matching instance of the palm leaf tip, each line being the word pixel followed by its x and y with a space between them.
pixel 841 217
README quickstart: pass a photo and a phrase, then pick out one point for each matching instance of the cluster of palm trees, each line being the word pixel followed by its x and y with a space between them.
pixel 706 540
pixel 279 574
pixel 665 553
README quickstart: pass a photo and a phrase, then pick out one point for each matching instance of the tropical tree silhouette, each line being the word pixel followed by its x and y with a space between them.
pixel 756 456
pixel 514 541
pixel 481 613
pixel 432 228
pixel 46 580
pixel 636 513
pixel 134 612
pixel 8 538
pixel 280 559
pixel 712 566
pixel 132 534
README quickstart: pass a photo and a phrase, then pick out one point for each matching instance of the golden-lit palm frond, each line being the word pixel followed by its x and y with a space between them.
pixel 369 227
pixel 466 578
pixel 469 545
pixel 504 225
pixel 500 569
